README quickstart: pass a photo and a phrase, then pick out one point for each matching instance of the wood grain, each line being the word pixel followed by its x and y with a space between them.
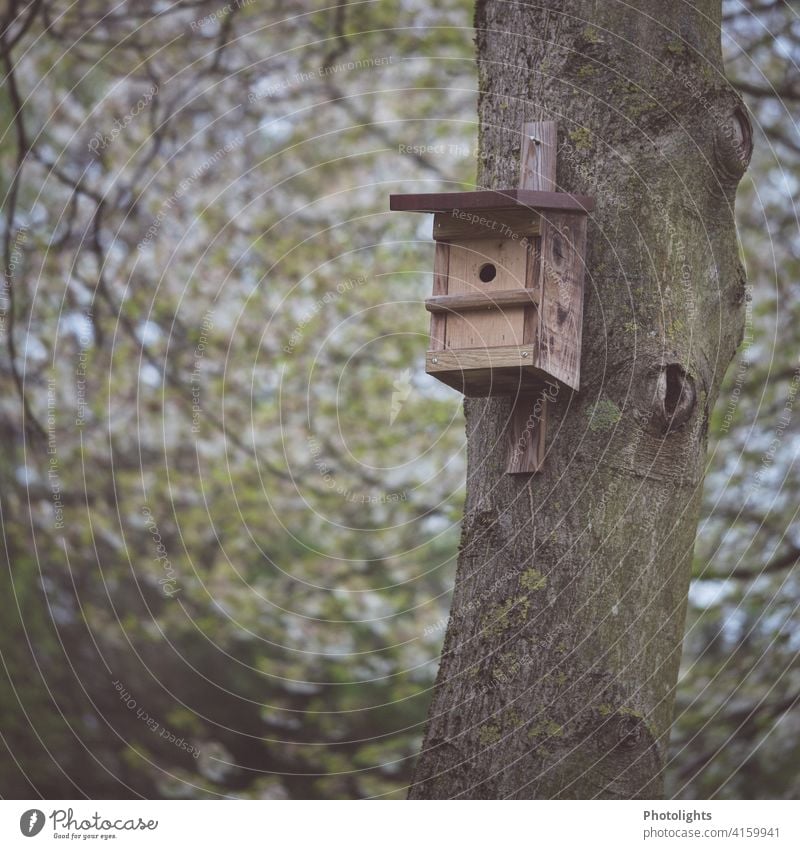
pixel 530 332
pixel 527 426
pixel 481 301
pixel 466 358
pixel 538 165
pixel 480 372
pixel 497 327
pixel 561 312
pixel 441 269
pixel 526 442
pixel 503 223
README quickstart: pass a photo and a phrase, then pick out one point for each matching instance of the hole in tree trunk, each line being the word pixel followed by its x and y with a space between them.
pixel 674 389
pixel 734 145
pixel 676 394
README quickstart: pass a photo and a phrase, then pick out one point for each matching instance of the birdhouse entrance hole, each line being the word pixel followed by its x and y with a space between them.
pixel 487 273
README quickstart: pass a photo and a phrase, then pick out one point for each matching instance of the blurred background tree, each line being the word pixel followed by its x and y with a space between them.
pixel 230 495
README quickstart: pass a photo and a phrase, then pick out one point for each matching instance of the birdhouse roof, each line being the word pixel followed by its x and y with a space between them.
pixel 491 200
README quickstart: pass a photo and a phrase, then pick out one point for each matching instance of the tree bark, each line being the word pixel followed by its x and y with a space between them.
pixel 561 655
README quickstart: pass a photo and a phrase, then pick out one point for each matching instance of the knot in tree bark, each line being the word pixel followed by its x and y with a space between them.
pixel 674 398
pixel 733 145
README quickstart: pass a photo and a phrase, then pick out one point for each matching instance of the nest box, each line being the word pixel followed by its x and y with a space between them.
pixel 507 302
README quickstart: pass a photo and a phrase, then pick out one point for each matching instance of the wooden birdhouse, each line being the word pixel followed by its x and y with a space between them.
pixel 507 303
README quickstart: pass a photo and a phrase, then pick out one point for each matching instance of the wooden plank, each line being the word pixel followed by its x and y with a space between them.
pixel 527 426
pixel 490 200
pixel 561 311
pixel 483 383
pixel 533 283
pixel 538 173
pixel 487 371
pixel 504 223
pixel 481 301
pixel 538 165
pixel 507 258
pixel 441 268
pixel 466 358
pixel 526 443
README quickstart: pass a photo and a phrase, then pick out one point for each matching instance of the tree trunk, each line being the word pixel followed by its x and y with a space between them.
pixel 561 656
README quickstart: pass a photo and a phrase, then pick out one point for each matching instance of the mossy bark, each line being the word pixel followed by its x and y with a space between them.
pixel 561 656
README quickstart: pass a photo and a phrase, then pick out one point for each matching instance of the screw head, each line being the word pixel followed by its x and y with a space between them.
pixel 434 359
pixel 524 353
